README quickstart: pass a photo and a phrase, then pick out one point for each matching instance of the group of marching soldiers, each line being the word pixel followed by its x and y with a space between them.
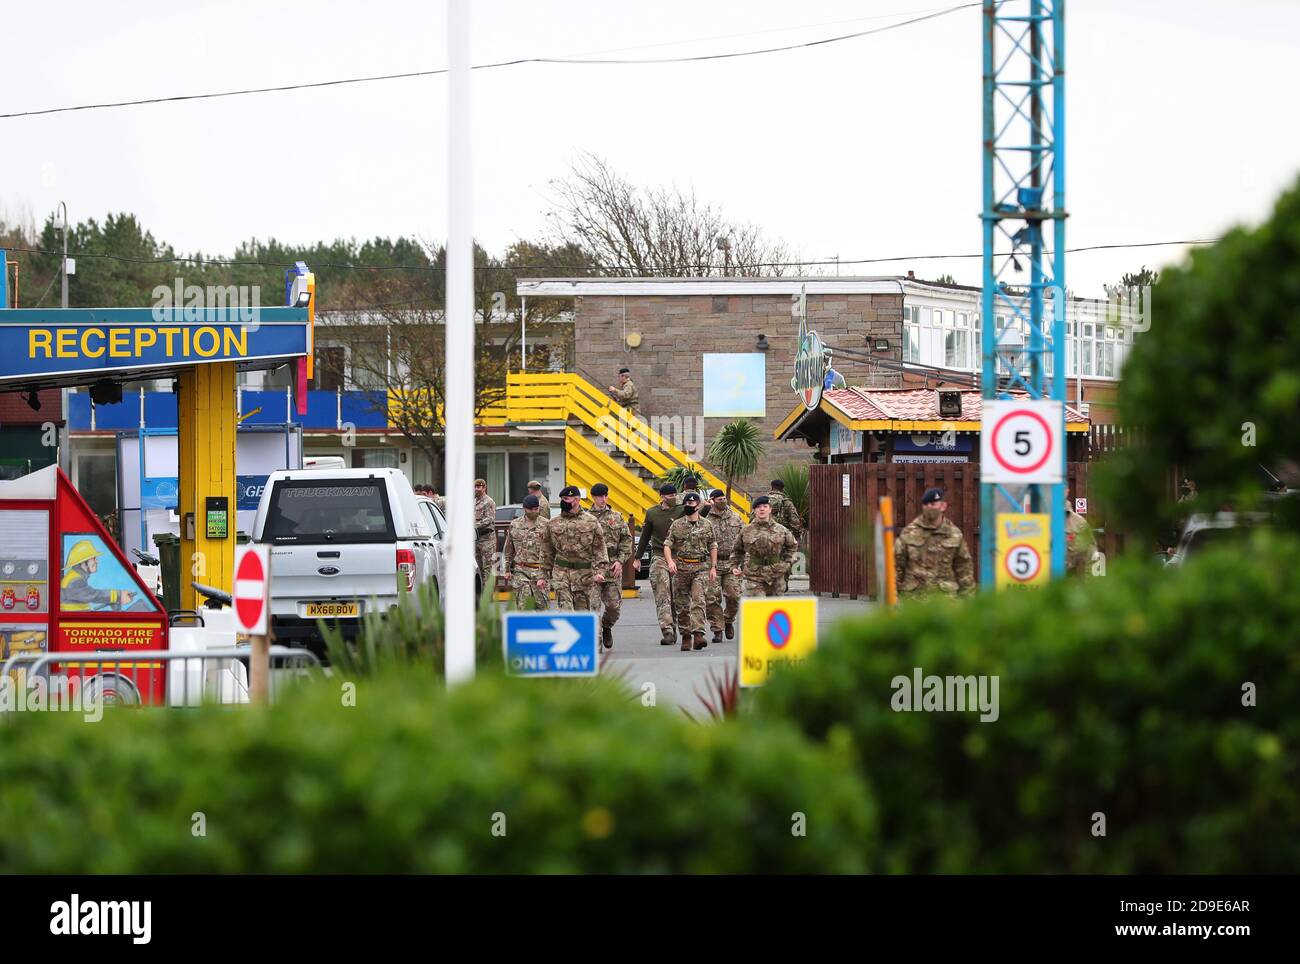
pixel 700 553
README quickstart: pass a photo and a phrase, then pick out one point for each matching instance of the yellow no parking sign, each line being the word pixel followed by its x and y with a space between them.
pixel 775 633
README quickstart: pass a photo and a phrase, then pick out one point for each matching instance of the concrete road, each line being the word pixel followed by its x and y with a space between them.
pixel 639 657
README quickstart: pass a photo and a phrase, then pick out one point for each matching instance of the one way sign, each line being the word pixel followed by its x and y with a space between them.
pixel 550 643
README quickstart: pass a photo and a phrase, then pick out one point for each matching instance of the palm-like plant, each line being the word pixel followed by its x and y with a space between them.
pixel 795 477
pixel 735 450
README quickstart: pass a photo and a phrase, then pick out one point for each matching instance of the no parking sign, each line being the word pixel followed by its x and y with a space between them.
pixel 1023 553
pixel 775 633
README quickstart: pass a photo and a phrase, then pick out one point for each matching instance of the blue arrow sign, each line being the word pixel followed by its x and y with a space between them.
pixel 550 643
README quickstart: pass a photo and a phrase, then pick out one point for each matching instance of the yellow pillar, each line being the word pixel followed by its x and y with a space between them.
pixel 206 453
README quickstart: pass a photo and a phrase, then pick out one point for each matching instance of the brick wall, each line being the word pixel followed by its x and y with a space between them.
pixel 14 409
pixel 676 331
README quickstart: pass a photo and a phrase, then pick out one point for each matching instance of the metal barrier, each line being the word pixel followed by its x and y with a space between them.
pixel 136 678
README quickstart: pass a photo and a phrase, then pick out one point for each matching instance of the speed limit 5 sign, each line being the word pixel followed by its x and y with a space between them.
pixel 1020 441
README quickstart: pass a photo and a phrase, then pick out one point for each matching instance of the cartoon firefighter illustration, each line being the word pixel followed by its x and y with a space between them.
pixel 75 591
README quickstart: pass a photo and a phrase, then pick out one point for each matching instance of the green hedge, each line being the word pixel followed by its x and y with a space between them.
pixel 409 780
pixel 1121 696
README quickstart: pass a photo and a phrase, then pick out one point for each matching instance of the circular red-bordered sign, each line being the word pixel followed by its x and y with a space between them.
pixel 1023 550
pixel 250 591
pixel 1047 433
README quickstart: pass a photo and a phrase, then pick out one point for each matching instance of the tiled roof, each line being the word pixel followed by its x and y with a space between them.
pixel 914 405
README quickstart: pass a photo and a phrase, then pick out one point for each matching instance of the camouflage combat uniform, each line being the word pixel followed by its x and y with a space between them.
pixel 618 540
pixel 577 545
pixel 653 533
pixel 727 527
pixel 784 512
pixel 764 554
pixel 1079 542
pixel 691 543
pixel 627 396
pixel 440 502
pixel 528 560
pixel 933 558
pixel 542 504
pixel 485 537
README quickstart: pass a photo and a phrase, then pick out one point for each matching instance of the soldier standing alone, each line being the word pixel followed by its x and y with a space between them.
pixel 658 520
pixel 578 557
pixel 727 526
pixel 764 552
pixel 618 541
pixel 528 556
pixel 625 392
pixel 691 551
pixel 931 555
pixel 485 533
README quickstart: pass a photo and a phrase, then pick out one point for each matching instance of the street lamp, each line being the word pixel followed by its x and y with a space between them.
pixel 61 222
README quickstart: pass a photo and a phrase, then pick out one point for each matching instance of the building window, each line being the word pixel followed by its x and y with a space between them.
pixel 525 467
pixel 331 362
pixel 374 458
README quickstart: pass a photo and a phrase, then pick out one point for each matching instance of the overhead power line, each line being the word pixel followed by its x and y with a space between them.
pixel 573 61
pixel 620 272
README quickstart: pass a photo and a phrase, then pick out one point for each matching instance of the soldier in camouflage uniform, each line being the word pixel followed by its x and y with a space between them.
pixel 930 554
pixel 528 556
pixel 783 510
pixel 1079 543
pixel 625 392
pixel 535 488
pixel 764 553
pixel 727 525
pixel 691 551
pixel 691 483
pixel 579 560
pixel 485 533
pixel 432 492
pixel 618 540
pixel 658 519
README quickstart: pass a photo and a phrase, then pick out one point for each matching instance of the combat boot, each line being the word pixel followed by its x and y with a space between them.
pixel 731 630
pixel 686 642
pixel 668 637
pixel 607 637
pixel 717 634
pixel 699 639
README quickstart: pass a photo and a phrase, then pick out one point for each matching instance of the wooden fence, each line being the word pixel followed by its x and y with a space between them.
pixel 841 538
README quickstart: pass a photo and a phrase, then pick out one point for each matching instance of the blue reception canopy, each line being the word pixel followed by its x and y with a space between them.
pixel 43 348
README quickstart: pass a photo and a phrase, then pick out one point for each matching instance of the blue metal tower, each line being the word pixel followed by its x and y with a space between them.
pixel 1024 192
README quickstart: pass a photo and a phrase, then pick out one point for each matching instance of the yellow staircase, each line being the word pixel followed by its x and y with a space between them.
pixel 603 442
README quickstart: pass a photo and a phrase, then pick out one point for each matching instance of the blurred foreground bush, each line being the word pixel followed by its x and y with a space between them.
pixel 1121 696
pixel 413 779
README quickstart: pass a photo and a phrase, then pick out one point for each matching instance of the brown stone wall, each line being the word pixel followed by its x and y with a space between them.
pixel 677 330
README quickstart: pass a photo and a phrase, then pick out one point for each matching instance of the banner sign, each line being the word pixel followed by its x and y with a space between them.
pixel 98 342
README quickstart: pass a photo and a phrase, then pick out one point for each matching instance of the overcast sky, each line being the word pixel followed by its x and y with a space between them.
pixel 1181 119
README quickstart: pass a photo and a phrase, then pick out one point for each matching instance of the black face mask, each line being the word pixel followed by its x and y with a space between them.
pixel 692 509
pixel 571 507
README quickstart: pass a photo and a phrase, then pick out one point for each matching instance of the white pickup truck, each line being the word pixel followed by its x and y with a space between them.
pixel 344 542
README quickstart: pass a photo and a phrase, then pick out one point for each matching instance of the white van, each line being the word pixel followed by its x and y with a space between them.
pixel 344 542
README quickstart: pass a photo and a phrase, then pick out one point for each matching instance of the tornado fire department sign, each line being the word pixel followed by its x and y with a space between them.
pixel 1020 441
pixel 252 573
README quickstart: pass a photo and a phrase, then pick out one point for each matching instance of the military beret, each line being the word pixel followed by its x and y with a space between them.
pixel 761 500
pixel 691 498
pixel 932 495
pixel 625 371
pixel 715 493
pixel 600 488
pixel 531 502
pixel 667 489
pixel 569 490
pixel 778 485
pixel 534 484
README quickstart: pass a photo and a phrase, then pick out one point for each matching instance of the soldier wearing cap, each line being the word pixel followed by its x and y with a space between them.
pixel 535 489
pixel 930 554
pixel 764 552
pixel 691 483
pixel 727 525
pixel 528 558
pixel 691 552
pixel 579 559
pixel 625 392
pixel 485 533
pixel 783 510
pixel 618 540
pixel 654 530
